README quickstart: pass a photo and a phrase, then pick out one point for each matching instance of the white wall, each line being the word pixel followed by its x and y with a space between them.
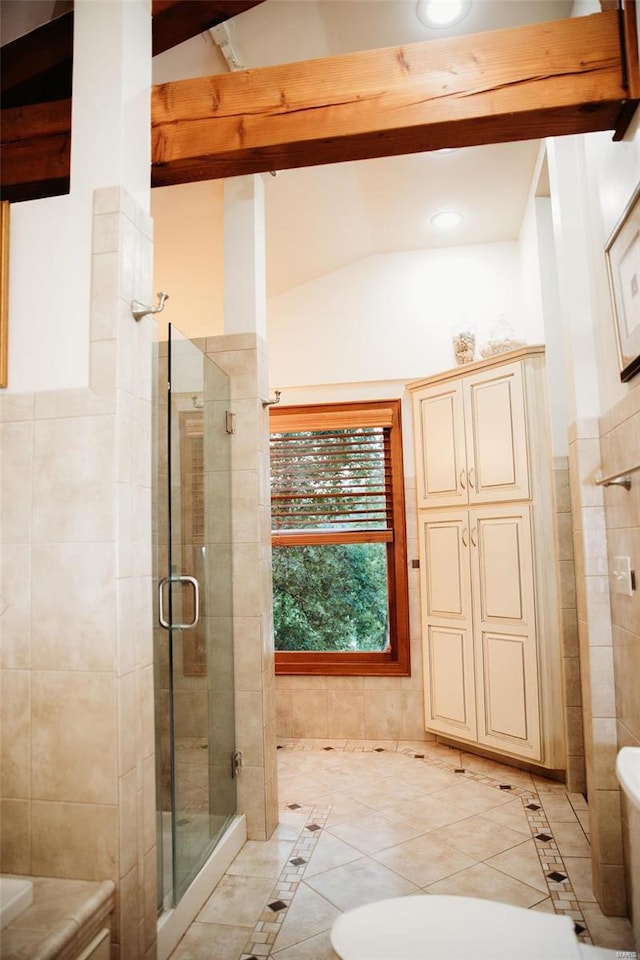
pixel 50 239
pixel 188 256
pixel 389 316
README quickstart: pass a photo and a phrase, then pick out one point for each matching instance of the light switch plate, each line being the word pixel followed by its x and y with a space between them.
pixel 622 576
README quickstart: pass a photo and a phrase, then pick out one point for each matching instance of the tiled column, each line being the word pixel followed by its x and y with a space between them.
pixel 243 358
pixel 78 783
pixel 574 737
pixel 596 665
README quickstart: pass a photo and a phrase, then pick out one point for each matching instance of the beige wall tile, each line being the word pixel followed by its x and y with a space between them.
pixel 16 454
pixel 609 838
pixel 413 715
pixel 605 752
pixel 127 822
pixel 72 479
pixel 598 611
pixel 613 898
pixel 571 670
pixel 283 713
pixel 246 580
pixel 247 653
pixel 250 727
pixel 603 698
pixel 310 713
pixel 15 618
pixel 74 752
pixel 15 836
pixel 74 840
pixel 150 898
pixel 383 716
pixel 252 801
pixel 126 616
pixel 561 490
pixel 15 733
pixel 345 715
pixel 570 646
pixel 127 723
pixel 565 536
pixel 73 606
pixel 626 654
pixel 16 406
pixel 146 706
pixel 149 802
pixel 308 683
pixel 128 915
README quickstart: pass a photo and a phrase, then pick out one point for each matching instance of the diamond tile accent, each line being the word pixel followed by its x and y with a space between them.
pixel 313 827
pixel 293 806
pixel 505 786
pixel 578 929
pixel 379 749
pixel 533 806
pixel 297 861
pixel 277 905
pixel 418 756
pixel 459 770
pixel 327 748
pixel 544 837
pixel 556 877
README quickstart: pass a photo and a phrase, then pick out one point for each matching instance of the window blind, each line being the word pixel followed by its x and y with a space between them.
pixel 333 480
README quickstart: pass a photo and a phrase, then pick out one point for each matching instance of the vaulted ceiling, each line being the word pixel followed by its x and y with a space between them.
pixel 513 73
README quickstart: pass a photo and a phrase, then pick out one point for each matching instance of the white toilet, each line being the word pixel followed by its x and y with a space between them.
pixel 468 928
pixel 456 928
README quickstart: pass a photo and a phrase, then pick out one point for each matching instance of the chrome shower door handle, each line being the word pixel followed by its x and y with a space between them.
pixel 196 602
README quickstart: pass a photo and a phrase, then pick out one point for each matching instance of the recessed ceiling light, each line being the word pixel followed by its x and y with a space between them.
pixel 447 219
pixel 439 14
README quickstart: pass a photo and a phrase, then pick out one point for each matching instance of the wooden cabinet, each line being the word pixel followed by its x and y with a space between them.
pixel 490 618
pixel 472 436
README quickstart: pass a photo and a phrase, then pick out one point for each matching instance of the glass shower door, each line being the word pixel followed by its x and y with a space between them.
pixel 195 635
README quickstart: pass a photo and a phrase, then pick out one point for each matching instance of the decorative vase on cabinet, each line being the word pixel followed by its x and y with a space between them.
pixel 489 604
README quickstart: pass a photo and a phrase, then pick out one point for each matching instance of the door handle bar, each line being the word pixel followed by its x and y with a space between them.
pixel 196 602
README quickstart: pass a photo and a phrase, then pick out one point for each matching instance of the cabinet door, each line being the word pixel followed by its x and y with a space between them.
pixel 441 467
pixel 508 704
pixel 496 436
pixel 448 637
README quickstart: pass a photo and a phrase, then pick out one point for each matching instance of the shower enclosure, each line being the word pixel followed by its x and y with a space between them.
pixel 193 635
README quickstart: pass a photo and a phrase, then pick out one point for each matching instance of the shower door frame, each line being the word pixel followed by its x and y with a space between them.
pixel 193 592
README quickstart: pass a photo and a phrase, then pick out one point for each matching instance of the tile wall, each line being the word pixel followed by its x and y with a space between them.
pixel 77 763
pixel 595 634
pixel 620 451
pixel 570 653
pixel 365 708
pixel 243 357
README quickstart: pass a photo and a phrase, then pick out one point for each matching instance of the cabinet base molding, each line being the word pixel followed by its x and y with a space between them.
pixel 509 761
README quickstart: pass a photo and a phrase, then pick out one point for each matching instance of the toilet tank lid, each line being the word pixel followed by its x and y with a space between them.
pixel 452 928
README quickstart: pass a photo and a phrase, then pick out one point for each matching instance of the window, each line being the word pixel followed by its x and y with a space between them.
pixel 339 540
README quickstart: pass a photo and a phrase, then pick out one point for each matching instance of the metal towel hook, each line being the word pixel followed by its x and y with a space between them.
pixel 270 403
pixel 140 310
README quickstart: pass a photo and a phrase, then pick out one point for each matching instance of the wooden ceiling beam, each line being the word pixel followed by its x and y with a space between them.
pixel 177 20
pixel 37 66
pixel 562 77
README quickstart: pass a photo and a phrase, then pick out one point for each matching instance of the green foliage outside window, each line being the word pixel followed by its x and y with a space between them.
pixel 331 597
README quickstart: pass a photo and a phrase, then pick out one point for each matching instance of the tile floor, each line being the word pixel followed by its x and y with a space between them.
pixel 362 821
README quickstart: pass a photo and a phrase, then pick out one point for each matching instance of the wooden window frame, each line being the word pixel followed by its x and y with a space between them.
pixel 394 662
